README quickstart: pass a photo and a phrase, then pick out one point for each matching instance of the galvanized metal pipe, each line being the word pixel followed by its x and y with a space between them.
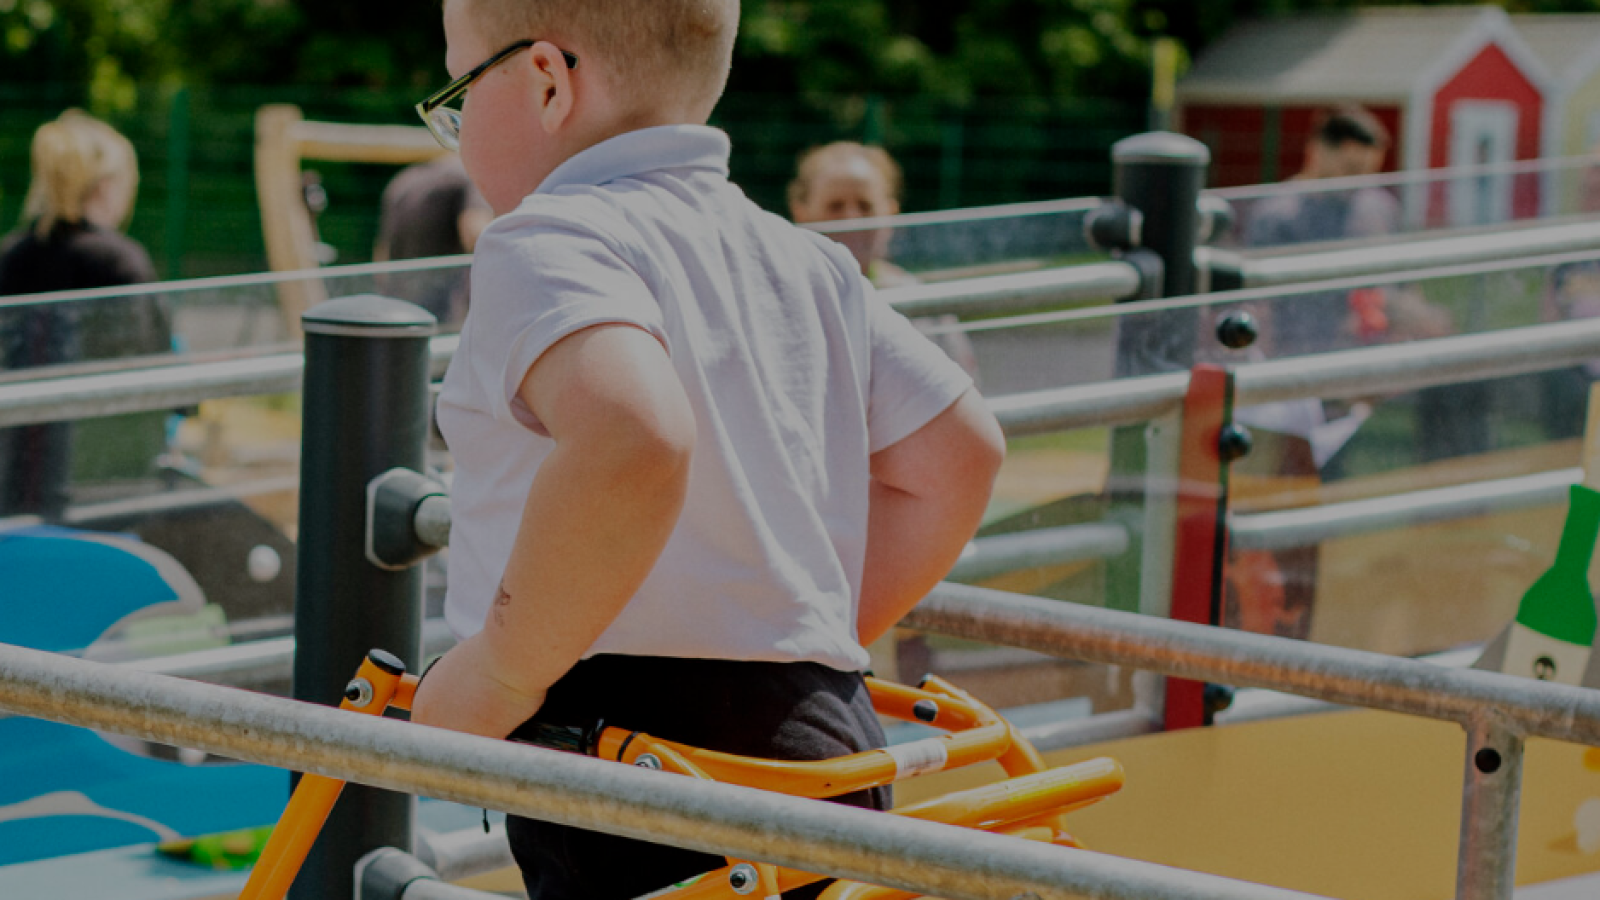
pixel 1491 795
pixel 983 557
pixel 1020 292
pixel 165 387
pixel 263 663
pixel 1315 524
pixel 924 857
pixel 1204 653
pixel 1410 255
pixel 1120 402
pixel 1350 373
pixel 986 557
pixel 462 854
pixel 1393 368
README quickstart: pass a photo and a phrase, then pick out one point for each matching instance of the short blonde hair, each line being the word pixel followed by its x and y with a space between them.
pixel 72 156
pixel 682 46
pixel 817 160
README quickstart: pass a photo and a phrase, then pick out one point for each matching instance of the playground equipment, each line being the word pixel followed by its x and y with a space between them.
pixel 283 140
pixel 1146 540
pixel 1029 805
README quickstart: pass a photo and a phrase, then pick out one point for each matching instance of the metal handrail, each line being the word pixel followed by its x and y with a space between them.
pixel 1403 256
pixel 1204 653
pixel 1544 166
pixel 1366 372
pixel 261 663
pixel 1497 711
pixel 1020 292
pixel 1314 524
pixel 924 857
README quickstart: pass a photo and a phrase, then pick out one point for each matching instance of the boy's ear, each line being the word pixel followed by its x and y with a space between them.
pixel 553 84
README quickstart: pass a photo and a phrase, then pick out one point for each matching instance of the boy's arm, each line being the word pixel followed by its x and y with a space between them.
pixel 600 512
pixel 929 492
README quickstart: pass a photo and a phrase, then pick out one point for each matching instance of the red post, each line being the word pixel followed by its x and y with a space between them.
pixel 1201 540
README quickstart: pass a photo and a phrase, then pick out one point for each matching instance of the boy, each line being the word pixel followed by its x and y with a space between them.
pixel 698 465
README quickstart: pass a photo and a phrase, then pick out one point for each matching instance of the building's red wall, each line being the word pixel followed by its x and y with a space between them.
pixel 1234 135
pixel 1491 75
pixel 1240 135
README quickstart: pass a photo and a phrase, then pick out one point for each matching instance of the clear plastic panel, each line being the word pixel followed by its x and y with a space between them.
pixel 236 460
pixel 209 316
pixel 1087 345
pixel 1053 530
pixel 211 488
pixel 1418 529
pixel 962 243
pixel 1370 208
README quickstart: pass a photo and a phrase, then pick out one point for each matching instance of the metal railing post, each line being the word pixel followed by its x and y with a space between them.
pixel 1491 793
pixel 365 412
pixel 1158 175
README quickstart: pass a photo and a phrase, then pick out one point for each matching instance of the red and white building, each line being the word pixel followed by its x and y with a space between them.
pixel 1456 86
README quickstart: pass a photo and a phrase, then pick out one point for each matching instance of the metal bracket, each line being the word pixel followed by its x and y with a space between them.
pixel 385 873
pixel 1113 225
pixel 391 533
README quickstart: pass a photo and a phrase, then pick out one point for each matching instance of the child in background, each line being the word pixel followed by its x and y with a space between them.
pixel 845 180
pixel 698 463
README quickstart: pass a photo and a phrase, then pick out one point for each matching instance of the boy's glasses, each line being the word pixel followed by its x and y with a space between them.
pixel 444 120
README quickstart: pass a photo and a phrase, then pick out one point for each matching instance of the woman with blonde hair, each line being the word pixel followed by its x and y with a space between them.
pixel 85 176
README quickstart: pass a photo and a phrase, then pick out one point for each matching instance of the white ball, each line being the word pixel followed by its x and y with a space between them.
pixel 263 563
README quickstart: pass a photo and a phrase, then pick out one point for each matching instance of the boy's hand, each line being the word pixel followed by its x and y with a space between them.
pixel 462 693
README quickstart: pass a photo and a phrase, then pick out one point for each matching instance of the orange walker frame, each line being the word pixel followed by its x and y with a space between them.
pixel 1029 804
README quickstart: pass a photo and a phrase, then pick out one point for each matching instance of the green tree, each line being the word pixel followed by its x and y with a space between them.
pixel 981 48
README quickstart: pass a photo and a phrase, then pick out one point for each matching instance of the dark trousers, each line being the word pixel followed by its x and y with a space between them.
pixel 794 711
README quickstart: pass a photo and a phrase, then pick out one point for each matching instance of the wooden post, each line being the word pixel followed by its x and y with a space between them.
pixel 283 140
pixel 285 221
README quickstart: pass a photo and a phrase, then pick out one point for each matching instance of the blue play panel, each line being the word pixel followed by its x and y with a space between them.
pixel 68 790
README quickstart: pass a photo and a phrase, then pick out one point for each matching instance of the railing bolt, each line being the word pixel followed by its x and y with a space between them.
pixel 1234 443
pixel 359 693
pixel 648 761
pixel 1216 698
pixel 743 879
pixel 1237 330
pixel 1487 760
pixel 925 710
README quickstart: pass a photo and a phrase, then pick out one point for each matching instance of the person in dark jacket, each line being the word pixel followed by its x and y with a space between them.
pixel 84 179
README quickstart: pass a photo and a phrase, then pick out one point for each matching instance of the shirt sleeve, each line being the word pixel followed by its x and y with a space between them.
pixel 537 279
pixel 912 380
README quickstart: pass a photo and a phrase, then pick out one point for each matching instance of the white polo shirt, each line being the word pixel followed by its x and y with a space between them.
pixel 795 370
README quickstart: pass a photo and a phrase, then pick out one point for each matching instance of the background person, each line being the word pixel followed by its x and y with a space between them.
pixel 844 180
pixel 85 177
pixel 431 209
pixel 1346 142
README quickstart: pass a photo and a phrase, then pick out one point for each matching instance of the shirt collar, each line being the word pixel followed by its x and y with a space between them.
pixel 645 150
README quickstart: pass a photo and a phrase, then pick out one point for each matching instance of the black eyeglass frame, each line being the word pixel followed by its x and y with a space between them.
pixel 458 87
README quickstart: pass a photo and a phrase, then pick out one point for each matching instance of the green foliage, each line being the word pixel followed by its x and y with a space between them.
pixel 983 48
pixel 957 53
pixel 818 48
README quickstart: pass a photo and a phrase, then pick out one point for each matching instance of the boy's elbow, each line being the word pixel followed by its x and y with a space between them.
pixel 987 452
pixel 653 449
